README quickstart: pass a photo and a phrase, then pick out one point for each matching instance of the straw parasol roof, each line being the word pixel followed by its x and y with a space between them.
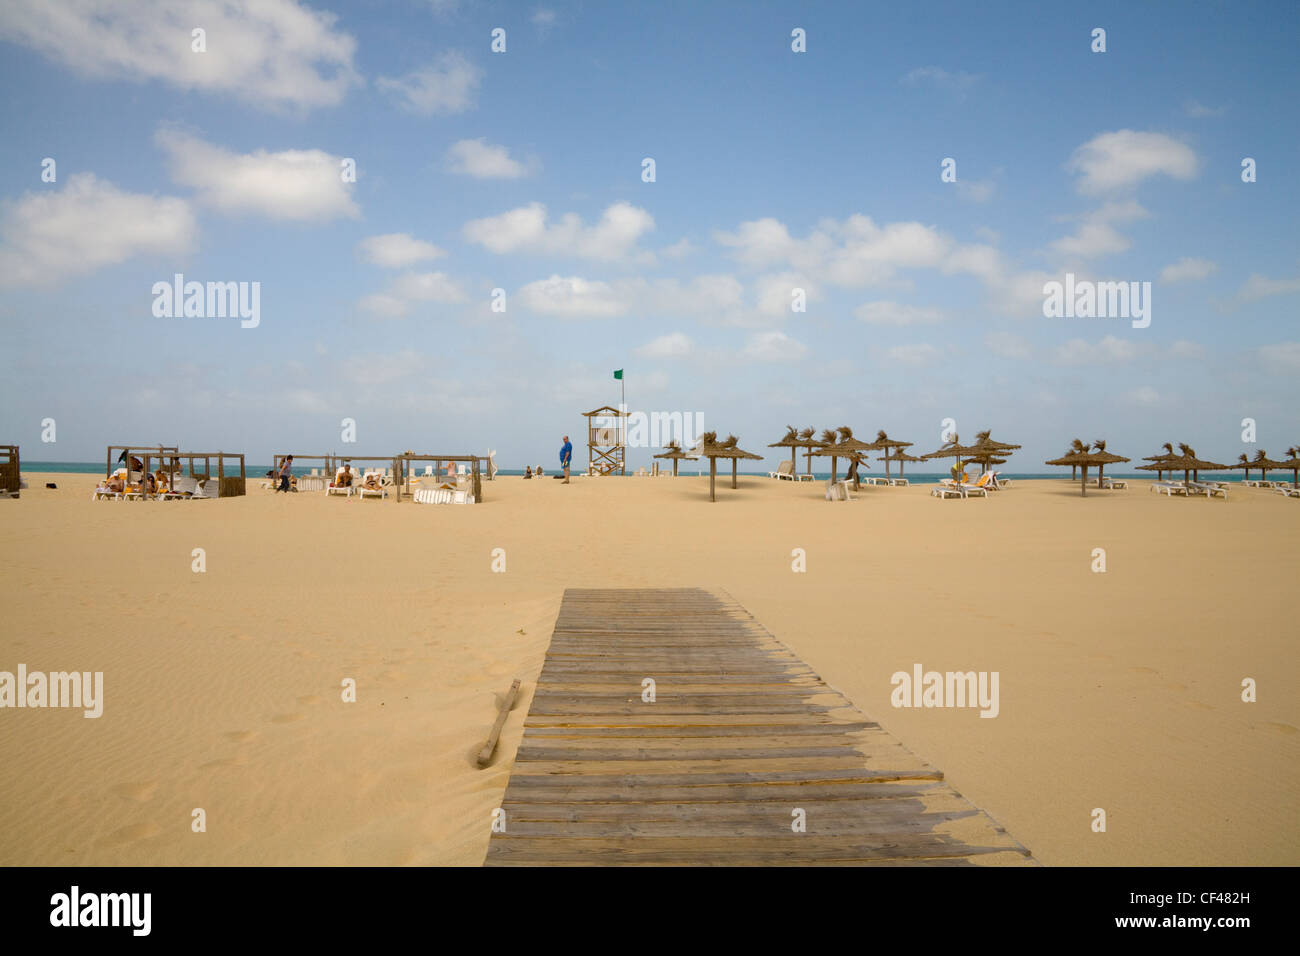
pixel 1187 461
pixel 1294 465
pixel 805 439
pixel 954 449
pixel 1099 451
pixel 1263 463
pixel 899 456
pixel 1081 457
pixel 886 443
pixel 713 449
pixel 674 451
pixel 847 447
pixel 789 440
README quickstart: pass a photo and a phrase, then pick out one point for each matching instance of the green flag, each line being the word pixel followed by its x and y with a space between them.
pixel 618 373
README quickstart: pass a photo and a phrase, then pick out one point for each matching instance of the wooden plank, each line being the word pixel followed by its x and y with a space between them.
pixel 485 754
pixel 742 740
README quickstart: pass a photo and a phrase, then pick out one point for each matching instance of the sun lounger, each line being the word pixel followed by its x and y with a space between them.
pixel 363 492
pixel 337 489
pixel 1288 491
pixel 1209 490
pixel 898 482
pixel 838 491
pixel 1169 488
pixel 947 491
pixel 784 471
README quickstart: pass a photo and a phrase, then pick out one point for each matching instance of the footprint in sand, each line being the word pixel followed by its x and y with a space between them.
pixel 136 831
pixel 1278 727
pixel 287 718
pixel 241 736
pixel 136 791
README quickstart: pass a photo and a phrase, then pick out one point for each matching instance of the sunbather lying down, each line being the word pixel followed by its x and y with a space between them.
pixel 371 483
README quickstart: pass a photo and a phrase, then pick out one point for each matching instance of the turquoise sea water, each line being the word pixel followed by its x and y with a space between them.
pixel 256 471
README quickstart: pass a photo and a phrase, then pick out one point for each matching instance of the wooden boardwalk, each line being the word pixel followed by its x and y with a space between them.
pixel 740 736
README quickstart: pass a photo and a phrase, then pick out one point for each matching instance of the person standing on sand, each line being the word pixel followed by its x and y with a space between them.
pixel 566 453
pixel 285 470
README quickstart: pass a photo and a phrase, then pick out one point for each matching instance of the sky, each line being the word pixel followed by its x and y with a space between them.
pixel 502 247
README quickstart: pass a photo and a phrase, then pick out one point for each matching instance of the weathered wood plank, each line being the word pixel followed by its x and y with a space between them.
pixel 742 740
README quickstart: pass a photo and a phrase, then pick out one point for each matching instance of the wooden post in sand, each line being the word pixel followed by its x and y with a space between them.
pixel 733 473
pixel 713 474
pixel 485 754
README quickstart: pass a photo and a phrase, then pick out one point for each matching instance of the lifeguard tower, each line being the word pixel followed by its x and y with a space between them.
pixel 606 441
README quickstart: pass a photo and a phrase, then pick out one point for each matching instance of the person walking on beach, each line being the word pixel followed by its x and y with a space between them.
pixel 566 453
pixel 285 470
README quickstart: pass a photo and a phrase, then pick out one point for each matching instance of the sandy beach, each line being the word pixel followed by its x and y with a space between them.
pixel 222 689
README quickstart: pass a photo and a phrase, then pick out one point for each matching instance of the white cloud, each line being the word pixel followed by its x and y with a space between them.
pixel 1007 345
pixel 482 160
pixel 1111 161
pixel 1186 268
pixel 673 345
pixel 894 313
pixel 448 85
pixel 1283 355
pixel 1260 287
pixel 1109 351
pixel 269 53
pixel 526 230
pixel 913 355
pixel 678 250
pixel 410 288
pixel 296 184
pixel 773 346
pixel 543 18
pixel 1096 236
pixel 397 250
pixel 774 294
pixel 86 225
pixel 571 297
pixel 1199 111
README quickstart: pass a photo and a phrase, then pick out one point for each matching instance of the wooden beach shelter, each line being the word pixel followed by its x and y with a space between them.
pixel 673 450
pixel 403 472
pixel 886 443
pixel 847 447
pixel 712 449
pixel 606 444
pixel 10 478
pixel 1079 456
pixel 229 484
pixel 124 453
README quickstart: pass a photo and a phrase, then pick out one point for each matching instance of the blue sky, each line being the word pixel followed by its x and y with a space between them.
pixel 522 171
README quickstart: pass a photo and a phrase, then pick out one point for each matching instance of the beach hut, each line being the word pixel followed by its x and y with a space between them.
pixel 673 450
pixel 712 449
pixel 886 443
pixel 1079 456
pixel 847 447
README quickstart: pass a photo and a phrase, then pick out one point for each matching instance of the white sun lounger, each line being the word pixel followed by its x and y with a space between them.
pixel 1288 491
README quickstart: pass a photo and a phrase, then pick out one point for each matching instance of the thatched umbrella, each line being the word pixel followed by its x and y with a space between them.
pixel 899 456
pixel 954 449
pixel 1188 462
pixel 885 442
pixel 791 441
pixel 846 447
pixel 712 449
pixel 1099 451
pixel 1294 464
pixel 1158 461
pixel 990 449
pixel 807 440
pixel 674 451
pixel 1263 463
pixel 1079 456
